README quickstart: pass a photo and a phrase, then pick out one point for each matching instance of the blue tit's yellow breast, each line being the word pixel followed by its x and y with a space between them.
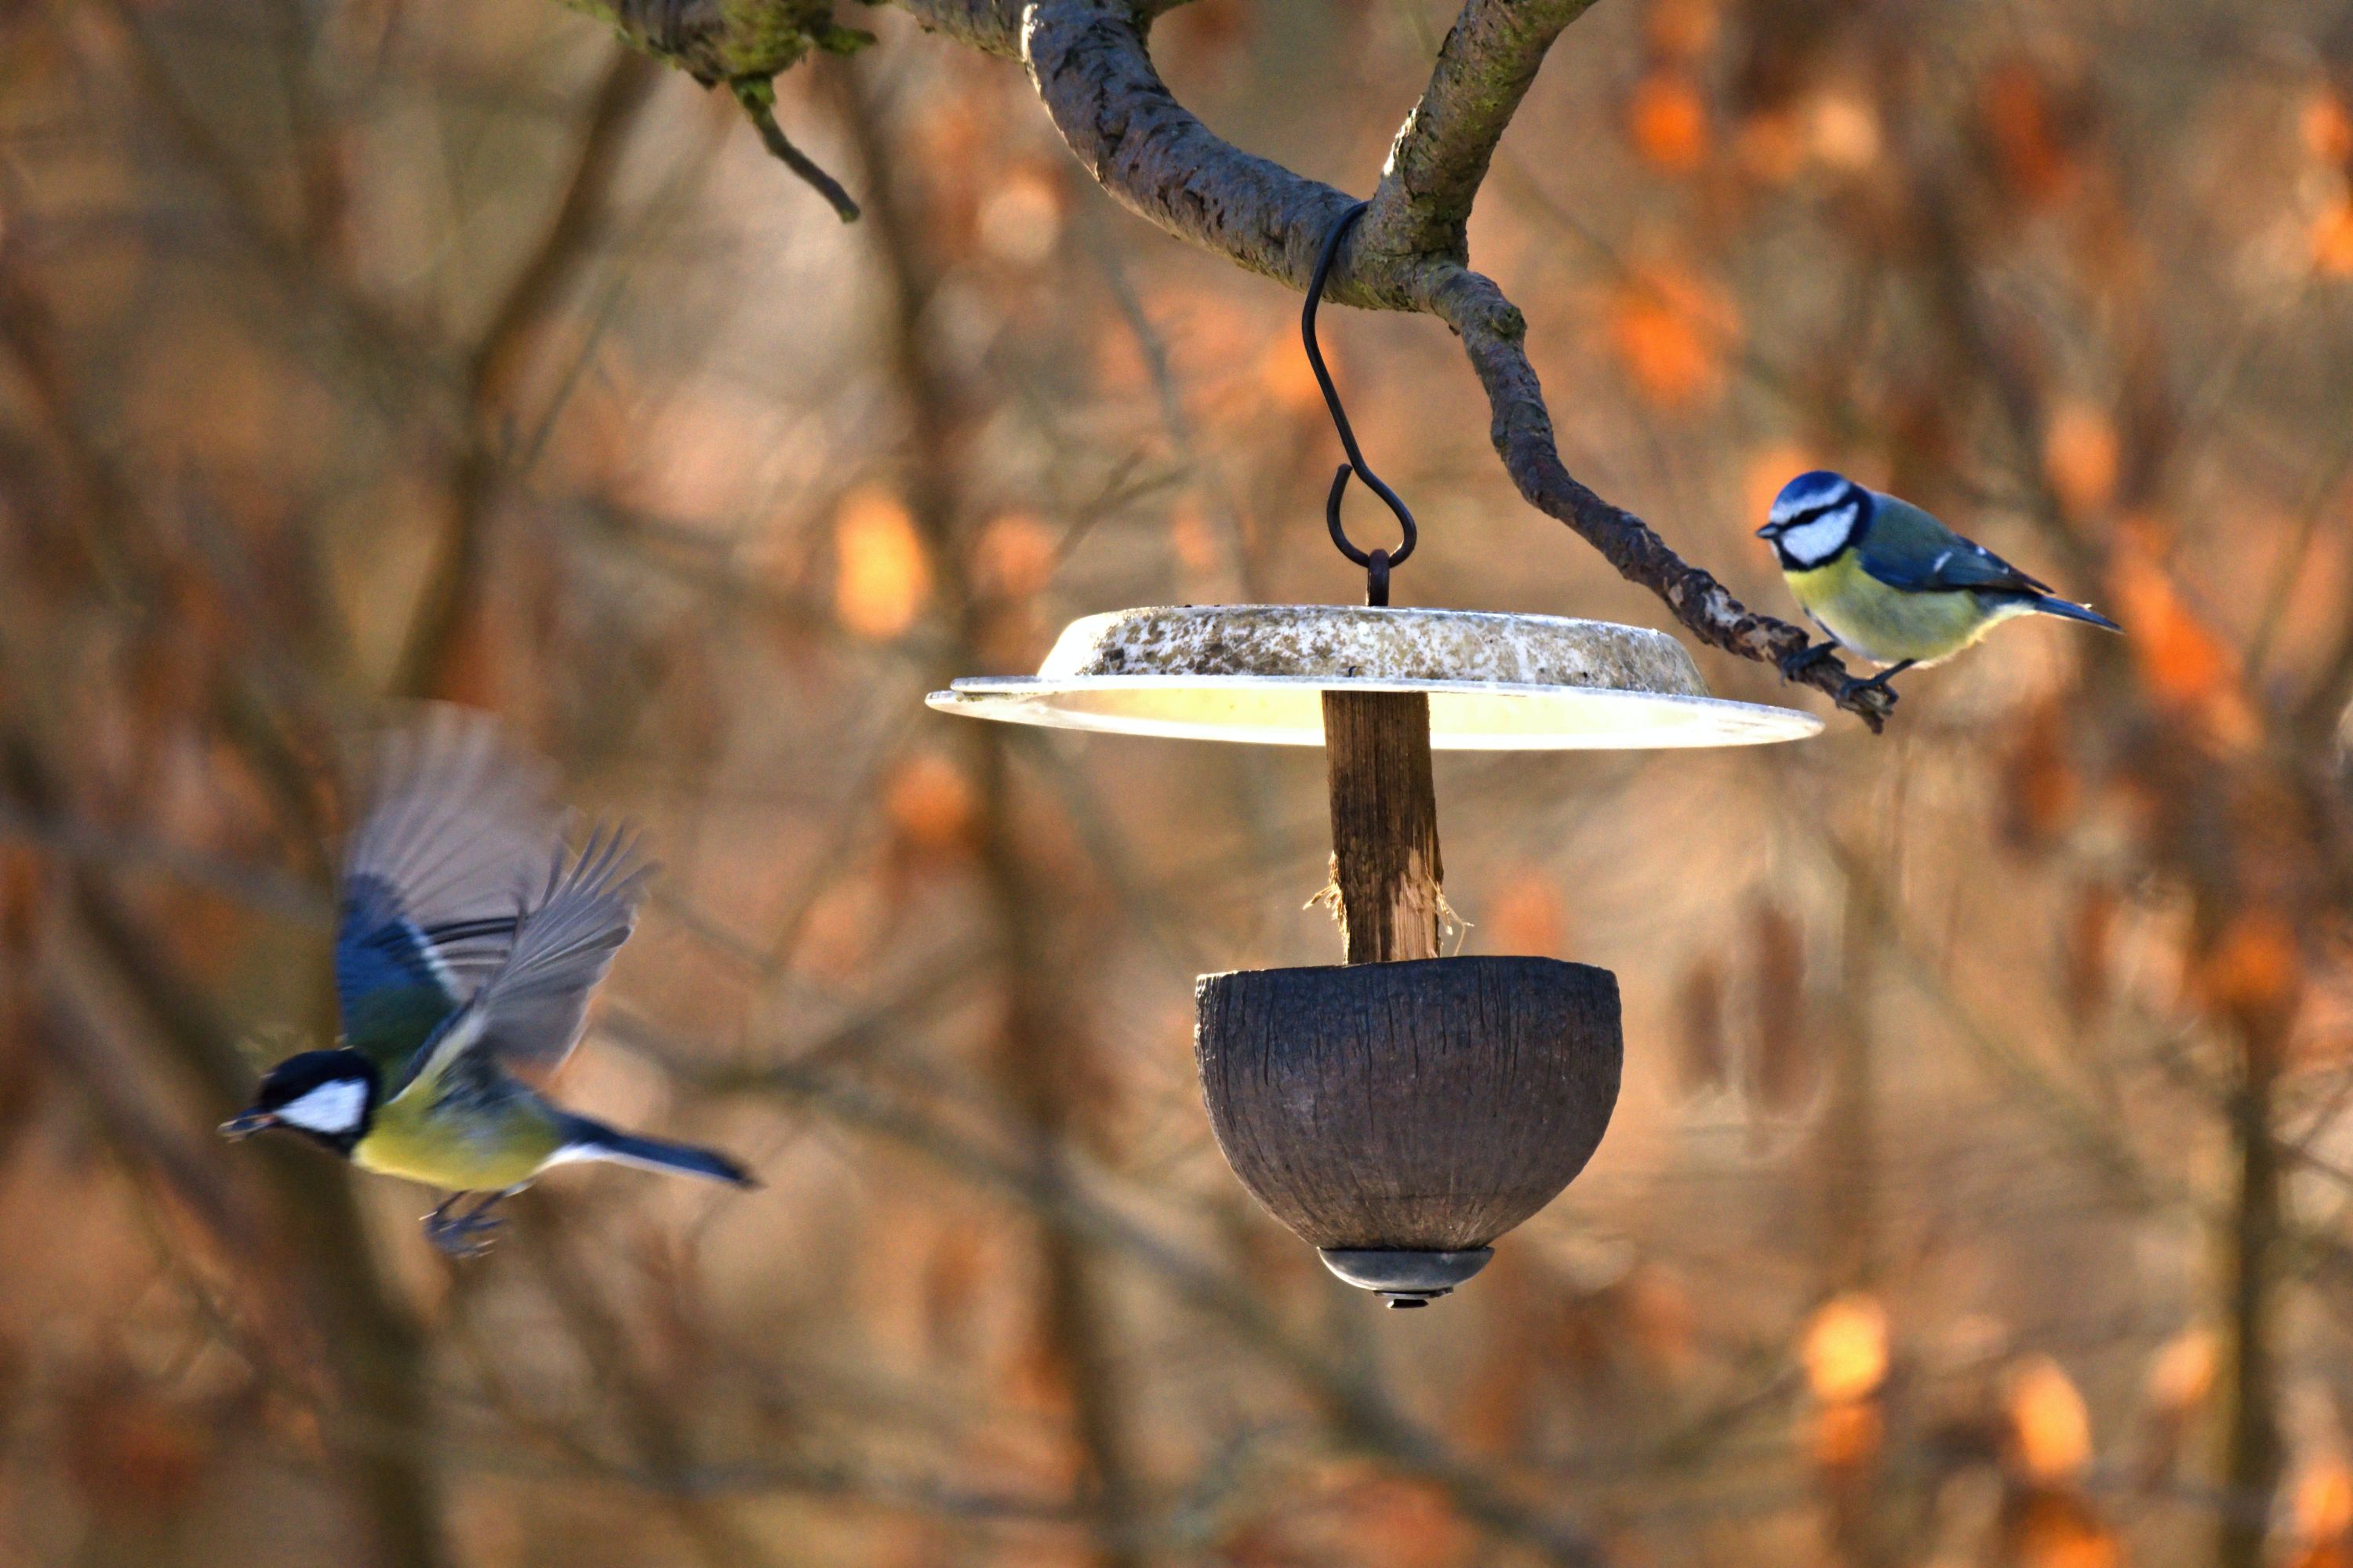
pixel 1888 625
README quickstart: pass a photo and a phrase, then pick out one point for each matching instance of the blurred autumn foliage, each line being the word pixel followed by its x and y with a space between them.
pixel 1980 1192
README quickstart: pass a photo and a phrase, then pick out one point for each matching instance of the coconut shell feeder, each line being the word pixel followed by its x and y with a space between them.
pixel 1399 1110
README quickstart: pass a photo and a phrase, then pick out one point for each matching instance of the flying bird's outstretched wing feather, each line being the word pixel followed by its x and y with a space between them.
pixel 532 1010
pixel 457 828
pixel 1922 556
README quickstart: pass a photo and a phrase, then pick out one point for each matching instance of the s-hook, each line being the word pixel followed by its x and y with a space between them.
pixel 1376 562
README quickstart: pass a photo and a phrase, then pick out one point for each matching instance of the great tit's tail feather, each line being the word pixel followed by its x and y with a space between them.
pixel 594 1140
pixel 2047 604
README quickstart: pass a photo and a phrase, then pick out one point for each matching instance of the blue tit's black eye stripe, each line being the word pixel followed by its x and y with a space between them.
pixel 1810 513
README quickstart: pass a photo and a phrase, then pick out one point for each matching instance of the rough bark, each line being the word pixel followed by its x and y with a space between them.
pixel 1439 158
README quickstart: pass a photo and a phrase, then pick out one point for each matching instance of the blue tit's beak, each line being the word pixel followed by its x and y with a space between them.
pixel 245 1123
pixel 1770 530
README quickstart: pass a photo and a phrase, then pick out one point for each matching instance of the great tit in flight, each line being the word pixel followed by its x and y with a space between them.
pixel 468 941
pixel 1889 582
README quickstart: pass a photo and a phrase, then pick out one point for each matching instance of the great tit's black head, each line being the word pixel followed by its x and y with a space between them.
pixel 328 1097
pixel 1816 517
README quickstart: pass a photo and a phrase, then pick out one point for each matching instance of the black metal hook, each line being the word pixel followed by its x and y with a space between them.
pixel 1378 563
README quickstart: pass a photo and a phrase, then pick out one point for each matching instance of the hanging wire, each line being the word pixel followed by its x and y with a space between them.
pixel 1376 562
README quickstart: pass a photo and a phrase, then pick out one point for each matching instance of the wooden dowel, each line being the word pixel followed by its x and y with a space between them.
pixel 1385 862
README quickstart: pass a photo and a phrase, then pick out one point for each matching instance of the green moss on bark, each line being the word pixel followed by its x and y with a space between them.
pixel 726 40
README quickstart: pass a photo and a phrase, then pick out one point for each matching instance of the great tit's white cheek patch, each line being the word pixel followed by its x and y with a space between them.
pixel 1817 539
pixel 334 1106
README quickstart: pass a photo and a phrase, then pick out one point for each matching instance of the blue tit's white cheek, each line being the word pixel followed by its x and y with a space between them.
pixel 331 1107
pixel 1817 539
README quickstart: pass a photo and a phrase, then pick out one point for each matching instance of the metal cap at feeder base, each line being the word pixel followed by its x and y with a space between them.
pixel 1258 672
pixel 1401 1116
pixel 1406 1278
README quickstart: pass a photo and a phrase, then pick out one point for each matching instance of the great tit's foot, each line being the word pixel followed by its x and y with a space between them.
pixel 1795 665
pixel 463 1236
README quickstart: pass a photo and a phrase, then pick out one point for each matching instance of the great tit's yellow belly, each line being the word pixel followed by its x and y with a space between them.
pixel 1887 625
pixel 467 1148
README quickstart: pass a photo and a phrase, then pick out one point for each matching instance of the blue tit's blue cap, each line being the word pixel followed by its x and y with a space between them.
pixel 1807 495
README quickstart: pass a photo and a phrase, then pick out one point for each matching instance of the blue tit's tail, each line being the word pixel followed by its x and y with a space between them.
pixel 586 1139
pixel 2045 604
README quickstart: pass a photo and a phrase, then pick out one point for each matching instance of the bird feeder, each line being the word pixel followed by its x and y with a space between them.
pixel 1401 1109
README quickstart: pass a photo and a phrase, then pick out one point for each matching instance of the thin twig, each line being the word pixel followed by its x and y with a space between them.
pixel 759 100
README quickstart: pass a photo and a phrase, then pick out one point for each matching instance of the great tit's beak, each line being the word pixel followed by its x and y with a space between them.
pixel 245 1123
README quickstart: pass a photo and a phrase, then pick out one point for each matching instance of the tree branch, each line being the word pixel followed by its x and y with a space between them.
pixel 992 26
pixel 759 100
pixel 1491 328
pixel 1088 61
pixel 1440 158
pixel 1093 70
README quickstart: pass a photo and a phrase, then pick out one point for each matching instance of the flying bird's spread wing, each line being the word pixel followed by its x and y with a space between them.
pixel 1922 556
pixel 457 831
pixel 531 1012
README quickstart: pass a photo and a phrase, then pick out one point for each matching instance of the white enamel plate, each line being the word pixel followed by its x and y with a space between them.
pixel 1256 673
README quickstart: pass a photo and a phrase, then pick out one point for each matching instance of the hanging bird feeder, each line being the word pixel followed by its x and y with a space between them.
pixel 1399 1110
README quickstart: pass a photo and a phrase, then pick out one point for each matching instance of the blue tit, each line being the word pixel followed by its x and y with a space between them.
pixel 451 971
pixel 1889 582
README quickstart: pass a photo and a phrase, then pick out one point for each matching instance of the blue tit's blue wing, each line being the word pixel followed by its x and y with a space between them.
pixel 456 832
pixel 532 1010
pixel 1906 548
